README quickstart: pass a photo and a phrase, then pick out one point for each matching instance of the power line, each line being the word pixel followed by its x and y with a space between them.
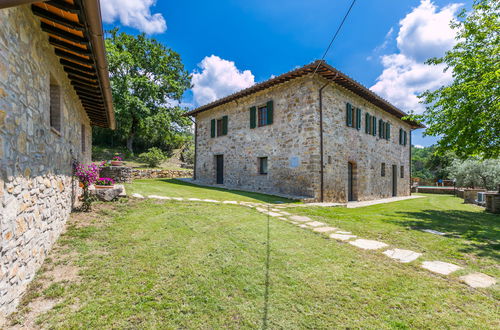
pixel 336 33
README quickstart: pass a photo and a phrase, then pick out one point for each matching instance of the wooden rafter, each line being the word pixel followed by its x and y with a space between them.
pixel 63 34
pixel 40 12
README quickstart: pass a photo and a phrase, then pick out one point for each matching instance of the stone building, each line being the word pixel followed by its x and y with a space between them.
pixel 54 86
pixel 317 135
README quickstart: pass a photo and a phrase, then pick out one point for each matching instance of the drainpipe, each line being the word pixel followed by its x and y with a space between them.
pixel 410 161
pixel 321 170
pixel 195 145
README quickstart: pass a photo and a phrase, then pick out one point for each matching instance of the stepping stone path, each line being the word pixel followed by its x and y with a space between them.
pixel 342 237
pixel 324 229
pixel 315 224
pixel 440 267
pixel 367 244
pixel 435 232
pixel 478 280
pixel 474 280
pixel 402 255
pixel 300 218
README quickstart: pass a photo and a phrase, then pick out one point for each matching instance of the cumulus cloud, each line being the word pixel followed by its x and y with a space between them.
pixel 133 13
pixel 423 33
pixel 218 78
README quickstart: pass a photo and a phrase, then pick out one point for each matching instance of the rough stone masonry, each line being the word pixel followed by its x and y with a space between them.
pixel 36 187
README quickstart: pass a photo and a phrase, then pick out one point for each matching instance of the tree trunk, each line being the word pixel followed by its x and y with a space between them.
pixel 130 138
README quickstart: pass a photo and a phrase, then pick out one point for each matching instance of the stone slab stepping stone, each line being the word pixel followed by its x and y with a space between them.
pixel 343 232
pixel 274 214
pixel 478 280
pixel 368 244
pixel 435 232
pixel 440 267
pixel 194 199
pixel 285 213
pixel 230 202
pixel 211 201
pixel 136 195
pixel 178 198
pixel 342 237
pixel 300 218
pixel 315 224
pixel 324 229
pixel 284 219
pixel 301 225
pixel 402 255
pixel 158 197
pixel 260 209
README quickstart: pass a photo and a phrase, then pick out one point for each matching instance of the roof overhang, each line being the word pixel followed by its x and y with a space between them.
pixel 75 30
pixel 324 70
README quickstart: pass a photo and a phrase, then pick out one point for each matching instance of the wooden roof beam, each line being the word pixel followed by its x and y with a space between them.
pixel 83 80
pixel 40 12
pixel 72 57
pixel 67 46
pixel 63 5
pixel 79 73
pixel 63 34
pixel 75 66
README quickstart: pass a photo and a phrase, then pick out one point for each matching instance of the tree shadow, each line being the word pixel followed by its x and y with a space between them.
pixel 258 196
pixel 481 230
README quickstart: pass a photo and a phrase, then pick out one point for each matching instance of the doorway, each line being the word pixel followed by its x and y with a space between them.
pixel 394 180
pixel 219 169
pixel 351 177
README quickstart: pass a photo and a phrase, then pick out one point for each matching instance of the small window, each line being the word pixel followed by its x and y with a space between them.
pixel 262 116
pixel 219 127
pixel 55 106
pixel 84 142
pixel 382 169
pixel 263 165
pixel 402 172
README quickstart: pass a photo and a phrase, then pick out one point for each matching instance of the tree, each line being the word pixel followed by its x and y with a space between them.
pixel 147 82
pixel 476 173
pixel 427 164
pixel 466 113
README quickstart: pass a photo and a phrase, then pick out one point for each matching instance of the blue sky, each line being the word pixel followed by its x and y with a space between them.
pixel 382 45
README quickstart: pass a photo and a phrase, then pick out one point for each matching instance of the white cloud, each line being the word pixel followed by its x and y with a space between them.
pixel 423 33
pixel 133 13
pixel 218 78
pixel 418 146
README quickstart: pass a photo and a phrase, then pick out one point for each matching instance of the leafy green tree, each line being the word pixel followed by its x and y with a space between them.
pixel 476 173
pixel 466 113
pixel 147 81
pixel 428 164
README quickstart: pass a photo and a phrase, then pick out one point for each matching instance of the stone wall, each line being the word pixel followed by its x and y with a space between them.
pixel 292 145
pixel 156 173
pixel 35 161
pixel 120 174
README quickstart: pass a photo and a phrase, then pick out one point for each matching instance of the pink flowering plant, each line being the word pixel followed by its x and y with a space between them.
pixel 105 182
pixel 87 175
pixel 117 159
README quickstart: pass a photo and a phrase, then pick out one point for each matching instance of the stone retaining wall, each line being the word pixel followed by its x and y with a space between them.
pixel 120 174
pixel 167 174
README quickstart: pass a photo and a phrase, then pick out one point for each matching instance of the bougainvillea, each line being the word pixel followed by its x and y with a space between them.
pixel 117 158
pixel 87 175
pixel 105 182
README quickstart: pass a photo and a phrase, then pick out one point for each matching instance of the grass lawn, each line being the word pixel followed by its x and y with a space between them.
pixel 170 264
pixel 178 188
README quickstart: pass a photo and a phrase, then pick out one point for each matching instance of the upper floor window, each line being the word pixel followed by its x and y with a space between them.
pixel 384 129
pixel 218 127
pixel 353 116
pixel 402 137
pixel 263 165
pixel 261 116
pixel 55 105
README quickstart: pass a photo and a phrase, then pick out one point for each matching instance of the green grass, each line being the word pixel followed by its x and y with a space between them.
pixel 152 264
pixel 178 188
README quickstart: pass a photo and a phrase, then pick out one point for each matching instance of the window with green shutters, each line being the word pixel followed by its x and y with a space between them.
pixel 404 137
pixel 358 119
pixel 381 125
pixel 262 116
pixel 270 112
pixel 348 109
pixel 224 125
pixel 212 128
pixel 367 123
pixel 253 117
pixel 374 126
pixel 387 131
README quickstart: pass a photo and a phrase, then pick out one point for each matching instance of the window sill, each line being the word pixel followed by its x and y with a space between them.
pixel 55 131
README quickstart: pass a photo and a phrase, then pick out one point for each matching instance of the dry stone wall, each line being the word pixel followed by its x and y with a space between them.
pixel 158 173
pixel 36 187
pixel 292 145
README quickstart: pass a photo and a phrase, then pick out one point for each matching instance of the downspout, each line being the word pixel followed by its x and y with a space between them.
pixel 195 145
pixel 321 170
pixel 410 161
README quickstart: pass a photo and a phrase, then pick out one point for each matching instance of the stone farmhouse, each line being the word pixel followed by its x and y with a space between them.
pixel 54 86
pixel 313 132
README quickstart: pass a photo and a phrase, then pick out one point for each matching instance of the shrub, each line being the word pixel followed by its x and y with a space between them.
pixel 153 157
pixel 187 155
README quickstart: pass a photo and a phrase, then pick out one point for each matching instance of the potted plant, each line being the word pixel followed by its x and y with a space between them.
pixel 104 183
pixel 117 161
pixel 87 175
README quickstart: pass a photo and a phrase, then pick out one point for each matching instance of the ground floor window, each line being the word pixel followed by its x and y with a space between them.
pixel 263 165
pixel 402 170
pixel 382 169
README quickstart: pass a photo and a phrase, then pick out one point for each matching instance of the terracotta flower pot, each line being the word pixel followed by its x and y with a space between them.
pixel 116 163
pixel 103 187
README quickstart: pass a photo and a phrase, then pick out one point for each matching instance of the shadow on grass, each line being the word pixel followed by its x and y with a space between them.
pixel 258 196
pixel 481 229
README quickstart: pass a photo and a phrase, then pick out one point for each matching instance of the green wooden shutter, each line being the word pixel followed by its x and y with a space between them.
pixel 270 112
pixel 404 138
pixel 367 123
pixel 387 131
pixel 224 125
pixel 401 136
pixel 349 114
pixel 374 126
pixel 253 117
pixel 212 128
pixel 358 119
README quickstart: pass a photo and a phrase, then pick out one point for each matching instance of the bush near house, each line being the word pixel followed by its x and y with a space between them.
pixel 153 157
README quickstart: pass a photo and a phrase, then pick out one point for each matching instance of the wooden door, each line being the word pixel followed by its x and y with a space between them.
pixel 350 180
